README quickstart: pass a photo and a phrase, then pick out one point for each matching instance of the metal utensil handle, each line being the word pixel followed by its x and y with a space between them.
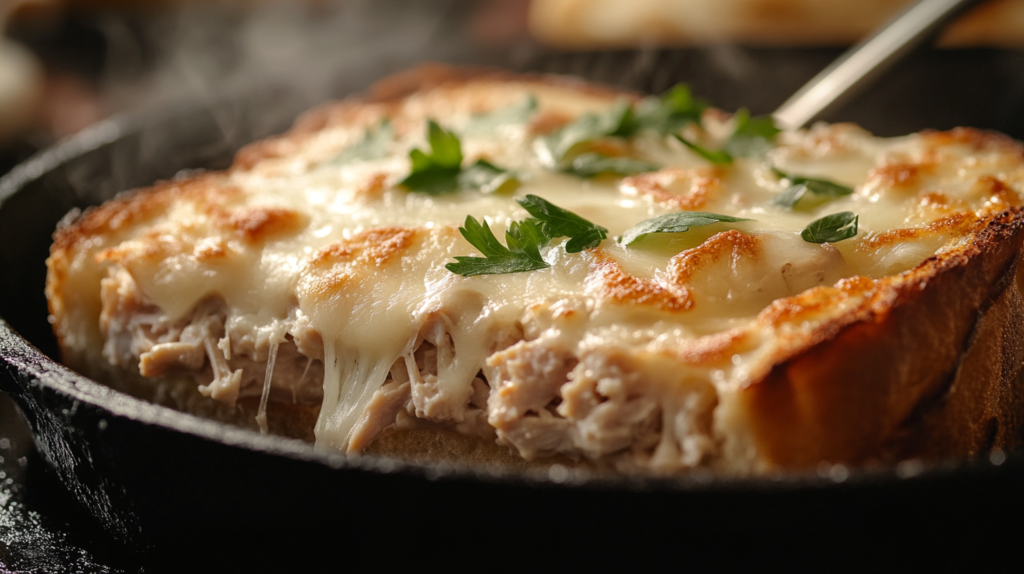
pixel 861 65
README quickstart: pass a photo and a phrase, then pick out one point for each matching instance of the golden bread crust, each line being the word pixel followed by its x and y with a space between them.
pixel 906 376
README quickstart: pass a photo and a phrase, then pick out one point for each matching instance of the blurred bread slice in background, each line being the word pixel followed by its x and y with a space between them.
pixel 21 84
pixel 37 101
pixel 598 24
pixel 21 80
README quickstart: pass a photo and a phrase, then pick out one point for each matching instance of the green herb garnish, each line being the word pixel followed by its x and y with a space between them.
pixel 558 222
pixel 524 239
pixel 831 228
pixel 438 171
pixel 590 165
pixel 674 223
pixel 666 114
pixel 441 170
pixel 670 112
pixel 717 157
pixel 799 187
pixel 511 115
pixel 373 145
pixel 751 136
pixel 487 177
pixel 617 121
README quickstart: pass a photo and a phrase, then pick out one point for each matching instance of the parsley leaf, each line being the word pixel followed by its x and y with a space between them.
pixel 586 240
pixel 487 177
pixel 752 136
pixel 717 157
pixel 822 190
pixel 670 112
pixel 667 114
pixel 558 222
pixel 524 239
pixel 674 223
pixel 831 228
pixel 593 164
pixel 437 172
pixel 511 115
pixel 373 145
pixel 446 151
pixel 441 170
pixel 618 120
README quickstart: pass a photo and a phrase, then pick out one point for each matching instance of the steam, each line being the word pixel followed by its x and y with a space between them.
pixel 293 54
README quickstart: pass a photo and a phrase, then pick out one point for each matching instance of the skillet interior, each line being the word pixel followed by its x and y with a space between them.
pixel 182 490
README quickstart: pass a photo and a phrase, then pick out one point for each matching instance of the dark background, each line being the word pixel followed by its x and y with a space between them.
pixel 100 61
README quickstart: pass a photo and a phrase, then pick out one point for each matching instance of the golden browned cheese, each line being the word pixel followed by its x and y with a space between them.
pixel 307 278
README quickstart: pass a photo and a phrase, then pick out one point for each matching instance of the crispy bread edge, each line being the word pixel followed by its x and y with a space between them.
pixel 935 372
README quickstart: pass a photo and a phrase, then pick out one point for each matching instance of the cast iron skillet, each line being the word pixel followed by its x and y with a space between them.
pixel 174 491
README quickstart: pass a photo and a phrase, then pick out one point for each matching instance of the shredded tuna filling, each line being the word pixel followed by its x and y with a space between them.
pixel 533 396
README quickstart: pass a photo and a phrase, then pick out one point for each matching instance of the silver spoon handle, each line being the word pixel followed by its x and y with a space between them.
pixel 864 63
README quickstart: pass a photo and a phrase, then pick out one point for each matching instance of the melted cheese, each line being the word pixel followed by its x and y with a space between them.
pixel 365 258
pixel 261 415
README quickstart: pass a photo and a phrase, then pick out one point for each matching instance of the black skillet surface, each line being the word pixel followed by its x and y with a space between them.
pixel 167 491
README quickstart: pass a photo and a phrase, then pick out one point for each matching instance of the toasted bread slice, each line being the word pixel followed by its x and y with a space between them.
pixel 598 24
pixel 743 300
